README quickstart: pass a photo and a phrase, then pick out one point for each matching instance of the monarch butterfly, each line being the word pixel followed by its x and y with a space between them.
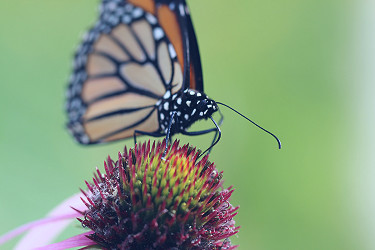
pixel 138 71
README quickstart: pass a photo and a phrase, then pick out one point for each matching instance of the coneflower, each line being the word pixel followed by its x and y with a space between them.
pixel 148 199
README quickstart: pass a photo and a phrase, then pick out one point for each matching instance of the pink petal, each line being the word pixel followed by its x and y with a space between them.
pixel 23 228
pixel 43 231
pixel 76 241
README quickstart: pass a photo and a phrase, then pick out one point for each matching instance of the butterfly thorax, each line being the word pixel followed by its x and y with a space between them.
pixel 189 106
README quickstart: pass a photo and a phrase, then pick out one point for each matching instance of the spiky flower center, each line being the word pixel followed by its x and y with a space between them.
pixel 149 201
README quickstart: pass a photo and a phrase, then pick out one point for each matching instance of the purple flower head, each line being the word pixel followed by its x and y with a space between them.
pixel 144 200
pixel 147 201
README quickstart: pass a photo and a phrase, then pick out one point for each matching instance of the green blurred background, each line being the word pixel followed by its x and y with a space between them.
pixel 285 64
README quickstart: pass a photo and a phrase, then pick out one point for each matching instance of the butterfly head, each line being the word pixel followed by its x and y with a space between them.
pixel 206 107
pixel 200 105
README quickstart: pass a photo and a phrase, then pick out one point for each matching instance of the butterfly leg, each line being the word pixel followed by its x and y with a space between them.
pixel 168 138
pixel 221 118
pixel 202 133
pixel 216 138
pixel 155 134
pixel 213 141
pixel 217 131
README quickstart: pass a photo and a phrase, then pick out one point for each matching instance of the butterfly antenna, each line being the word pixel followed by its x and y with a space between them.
pixel 277 139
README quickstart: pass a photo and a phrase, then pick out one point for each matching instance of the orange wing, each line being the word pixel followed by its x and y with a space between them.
pixel 175 20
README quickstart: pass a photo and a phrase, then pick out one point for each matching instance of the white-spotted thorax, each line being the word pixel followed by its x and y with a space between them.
pixel 189 106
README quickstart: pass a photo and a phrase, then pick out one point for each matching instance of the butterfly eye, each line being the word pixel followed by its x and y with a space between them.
pixel 202 105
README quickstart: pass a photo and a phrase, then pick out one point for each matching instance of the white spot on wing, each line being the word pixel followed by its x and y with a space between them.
pixel 186 117
pixel 201 113
pixel 192 92
pixel 111 6
pixel 128 7
pixel 84 139
pixel 182 9
pixel 167 95
pixel 158 33
pixel 171 50
pixel 172 6
pixel 137 12
pixel 188 103
pixel 194 110
pixel 120 12
pixel 179 101
pixel 126 19
pixel 150 18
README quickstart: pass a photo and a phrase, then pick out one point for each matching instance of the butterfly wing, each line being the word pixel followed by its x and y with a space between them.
pixel 174 18
pixel 196 77
pixel 123 67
